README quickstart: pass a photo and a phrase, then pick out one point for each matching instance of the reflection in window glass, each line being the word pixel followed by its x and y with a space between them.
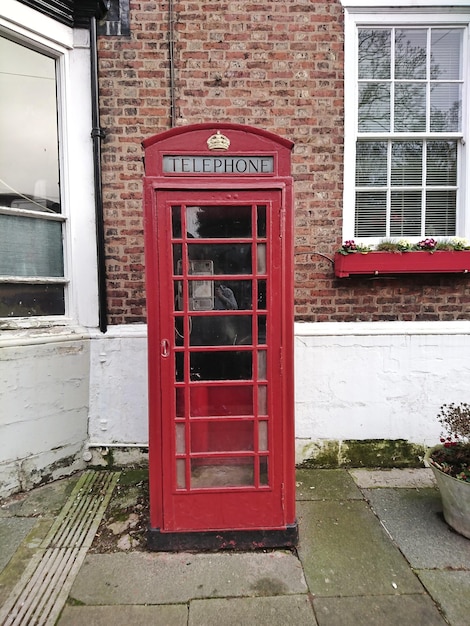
pixel 232 258
pixel 229 472
pixel 222 400
pixel 222 436
pixel 223 330
pixel 214 222
pixel 261 212
pixel 29 180
pixel 27 300
pixel 221 365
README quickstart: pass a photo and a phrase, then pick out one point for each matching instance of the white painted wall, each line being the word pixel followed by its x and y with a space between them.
pixel 352 381
pixel 44 382
pixel 64 389
pixel 378 381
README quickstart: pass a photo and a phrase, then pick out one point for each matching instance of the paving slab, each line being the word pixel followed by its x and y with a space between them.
pixel 451 590
pixel 346 552
pixel 377 611
pixel 406 477
pixel 169 615
pixel 166 578
pixel 414 519
pixel 273 611
pixel 13 531
pixel 326 485
pixel 46 500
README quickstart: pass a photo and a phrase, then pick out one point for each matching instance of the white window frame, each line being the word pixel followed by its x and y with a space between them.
pixel 414 13
pixel 71 48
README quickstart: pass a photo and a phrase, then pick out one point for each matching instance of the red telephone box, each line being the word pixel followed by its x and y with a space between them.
pixel 218 236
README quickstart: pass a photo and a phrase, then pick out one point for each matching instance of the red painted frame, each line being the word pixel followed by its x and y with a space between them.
pixel 236 509
pixel 414 262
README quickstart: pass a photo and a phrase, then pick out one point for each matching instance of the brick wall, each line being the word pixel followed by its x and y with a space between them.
pixel 272 64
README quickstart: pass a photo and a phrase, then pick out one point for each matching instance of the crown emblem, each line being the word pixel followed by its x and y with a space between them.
pixel 218 142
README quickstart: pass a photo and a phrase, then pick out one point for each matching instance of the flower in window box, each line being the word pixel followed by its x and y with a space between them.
pixel 351 247
pixel 428 244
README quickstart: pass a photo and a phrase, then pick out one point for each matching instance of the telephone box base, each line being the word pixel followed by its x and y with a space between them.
pixel 222 540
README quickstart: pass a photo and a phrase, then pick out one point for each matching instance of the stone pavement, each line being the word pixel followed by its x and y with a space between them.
pixel 374 550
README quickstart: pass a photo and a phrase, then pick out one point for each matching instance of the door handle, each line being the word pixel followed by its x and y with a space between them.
pixel 165 347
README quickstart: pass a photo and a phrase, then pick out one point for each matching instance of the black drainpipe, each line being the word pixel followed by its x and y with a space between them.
pixel 97 133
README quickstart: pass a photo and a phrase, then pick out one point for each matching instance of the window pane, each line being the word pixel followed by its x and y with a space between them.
pixel 221 436
pixel 407 163
pixel 374 107
pixel 371 163
pixel 405 215
pixel 446 54
pixel 25 300
pixel 30 247
pixel 410 54
pixel 446 106
pixel 441 160
pixel 410 107
pixel 221 365
pixel 370 214
pixel 218 221
pixel 440 213
pixel 28 122
pixel 374 53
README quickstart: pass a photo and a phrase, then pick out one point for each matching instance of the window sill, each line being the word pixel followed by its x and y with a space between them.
pixel 420 262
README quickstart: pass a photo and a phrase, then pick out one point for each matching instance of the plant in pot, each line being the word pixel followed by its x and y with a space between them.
pixel 450 463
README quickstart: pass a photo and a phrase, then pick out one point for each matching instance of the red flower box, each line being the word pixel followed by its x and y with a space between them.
pixel 416 262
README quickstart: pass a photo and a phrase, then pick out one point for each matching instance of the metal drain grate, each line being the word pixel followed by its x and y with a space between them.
pixel 41 593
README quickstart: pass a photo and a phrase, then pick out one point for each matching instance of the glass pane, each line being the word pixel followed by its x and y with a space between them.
pixel 410 53
pixel 410 107
pixel 261 258
pixel 371 163
pixel 23 300
pixel 446 107
pixel 221 365
pixel 374 53
pixel 374 107
pixel 180 403
pixel 405 215
pixel 263 470
pixel 180 473
pixel 180 439
pixel 220 331
pixel 176 221
pixel 227 258
pixel 262 400
pixel 262 329
pixel 228 472
pixel 446 54
pixel 440 213
pixel 221 436
pixel 261 295
pixel 221 400
pixel 213 222
pixel 177 256
pixel 263 435
pixel 261 212
pixel 407 163
pixel 179 367
pixel 370 217
pixel 262 361
pixel 28 126
pixel 30 247
pixel 441 163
